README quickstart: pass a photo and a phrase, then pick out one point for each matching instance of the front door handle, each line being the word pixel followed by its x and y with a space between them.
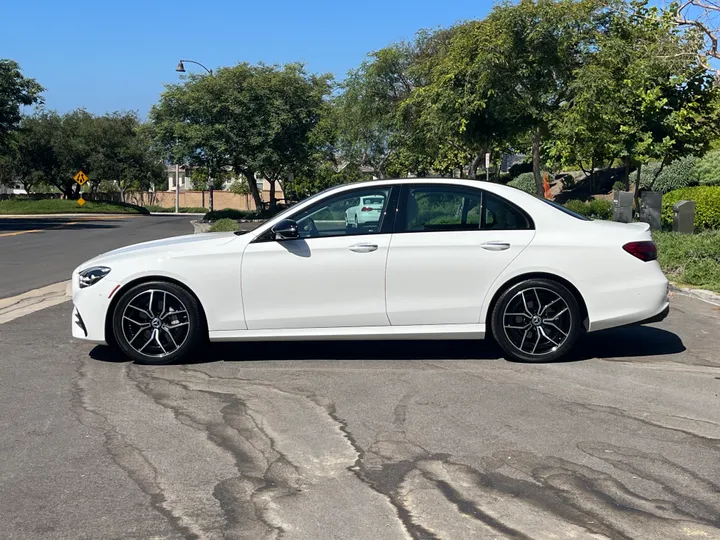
pixel 363 248
pixel 495 246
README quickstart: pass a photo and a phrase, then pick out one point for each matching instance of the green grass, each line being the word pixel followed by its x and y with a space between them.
pixel 168 210
pixel 690 259
pixel 225 225
pixel 64 206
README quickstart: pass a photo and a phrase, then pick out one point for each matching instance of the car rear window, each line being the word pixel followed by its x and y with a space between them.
pixel 373 200
pixel 566 211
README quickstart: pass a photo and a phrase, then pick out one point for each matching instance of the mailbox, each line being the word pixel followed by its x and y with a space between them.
pixel 684 217
pixel 623 206
pixel 650 208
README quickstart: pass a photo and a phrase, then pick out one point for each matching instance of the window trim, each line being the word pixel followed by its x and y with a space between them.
pixel 388 223
pixel 482 193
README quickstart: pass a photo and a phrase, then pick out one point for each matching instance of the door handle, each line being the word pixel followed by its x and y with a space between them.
pixel 363 248
pixel 495 246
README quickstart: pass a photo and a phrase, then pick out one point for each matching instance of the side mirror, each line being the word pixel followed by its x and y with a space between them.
pixel 285 230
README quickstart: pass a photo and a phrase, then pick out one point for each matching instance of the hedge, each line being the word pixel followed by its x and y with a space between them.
pixel 593 209
pixel 707 205
pixel 524 182
pixel 707 169
pixel 679 174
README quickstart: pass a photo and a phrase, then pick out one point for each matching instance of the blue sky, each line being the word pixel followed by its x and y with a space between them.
pixel 108 55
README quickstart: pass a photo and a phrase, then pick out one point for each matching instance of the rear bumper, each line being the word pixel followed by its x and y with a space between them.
pixel 656 318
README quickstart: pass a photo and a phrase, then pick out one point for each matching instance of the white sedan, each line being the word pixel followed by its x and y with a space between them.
pixel 447 259
pixel 367 211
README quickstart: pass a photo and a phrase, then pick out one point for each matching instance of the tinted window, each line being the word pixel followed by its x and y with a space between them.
pixel 344 214
pixel 440 208
pixel 499 214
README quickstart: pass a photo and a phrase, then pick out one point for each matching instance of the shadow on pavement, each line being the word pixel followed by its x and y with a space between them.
pixel 639 342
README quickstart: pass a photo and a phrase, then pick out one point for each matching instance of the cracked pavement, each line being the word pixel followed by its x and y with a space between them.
pixel 363 440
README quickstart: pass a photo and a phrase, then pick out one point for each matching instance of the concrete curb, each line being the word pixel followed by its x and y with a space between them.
pixel 701 294
pixel 32 301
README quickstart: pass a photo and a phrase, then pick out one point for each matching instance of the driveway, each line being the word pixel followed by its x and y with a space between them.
pixel 366 440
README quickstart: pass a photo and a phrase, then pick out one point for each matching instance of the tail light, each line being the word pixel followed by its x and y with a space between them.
pixel 645 251
pixel 366 209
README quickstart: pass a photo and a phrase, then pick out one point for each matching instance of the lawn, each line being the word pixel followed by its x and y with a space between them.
pixel 65 206
pixel 690 259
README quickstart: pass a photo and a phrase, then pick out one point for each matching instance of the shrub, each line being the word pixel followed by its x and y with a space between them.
pixel 593 209
pixel 520 168
pixel 690 259
pixel 619 186
pixel 225 225
pixel 504 178
pixel 524 182
pixel 707 205
pixel 677 175
pixel 707 169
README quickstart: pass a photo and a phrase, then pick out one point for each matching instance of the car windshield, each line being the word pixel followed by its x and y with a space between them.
pixel 566 211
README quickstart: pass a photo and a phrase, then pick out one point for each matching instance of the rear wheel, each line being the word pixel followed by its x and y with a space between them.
pixel 537 320
pixel 157 323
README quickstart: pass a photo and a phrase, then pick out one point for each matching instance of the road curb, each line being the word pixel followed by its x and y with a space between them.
pixel 32 301
pixel 701 294
pixel 176 214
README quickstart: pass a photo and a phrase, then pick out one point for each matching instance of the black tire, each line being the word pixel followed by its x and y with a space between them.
pixel 552 337
pixel 126 321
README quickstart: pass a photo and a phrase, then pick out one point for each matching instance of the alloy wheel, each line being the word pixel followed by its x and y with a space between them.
pixel 537 321
pixel 155 323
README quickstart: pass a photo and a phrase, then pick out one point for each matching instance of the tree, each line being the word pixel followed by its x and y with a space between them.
pixel 642 94
pixel 16 91
pixel 254 119
pixel 369 105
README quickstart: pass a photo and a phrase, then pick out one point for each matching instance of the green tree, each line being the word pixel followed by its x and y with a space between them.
pixel 641 95
pixel 254 119
pixel 16 91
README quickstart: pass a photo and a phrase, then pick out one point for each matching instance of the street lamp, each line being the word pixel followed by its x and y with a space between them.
pixel 181 69
pixel 181 66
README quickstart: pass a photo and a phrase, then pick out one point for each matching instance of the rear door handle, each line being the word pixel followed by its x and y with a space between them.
pixel 495 246
pixel 363 248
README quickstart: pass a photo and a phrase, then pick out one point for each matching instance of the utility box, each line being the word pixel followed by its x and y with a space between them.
pixel 623 206
pixel 650 208
pixel 684 217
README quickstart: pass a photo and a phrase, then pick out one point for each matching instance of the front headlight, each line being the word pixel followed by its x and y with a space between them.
pixel 90 276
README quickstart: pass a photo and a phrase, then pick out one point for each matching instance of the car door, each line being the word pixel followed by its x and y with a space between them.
pixel 333 275
pixel 449 245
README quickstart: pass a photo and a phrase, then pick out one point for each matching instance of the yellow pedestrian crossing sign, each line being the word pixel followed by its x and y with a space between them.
pixel 80 177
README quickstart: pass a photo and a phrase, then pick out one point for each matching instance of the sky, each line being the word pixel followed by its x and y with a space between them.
pixel 111 55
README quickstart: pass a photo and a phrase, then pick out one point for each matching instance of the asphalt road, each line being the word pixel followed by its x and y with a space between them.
pixel 369 440
pixel 35 252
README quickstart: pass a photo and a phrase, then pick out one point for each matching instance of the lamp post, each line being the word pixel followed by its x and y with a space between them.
pixel 181 69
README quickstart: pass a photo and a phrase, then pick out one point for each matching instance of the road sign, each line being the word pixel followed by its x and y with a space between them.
pixel 487 160
pixel 80 178
pixel 81 201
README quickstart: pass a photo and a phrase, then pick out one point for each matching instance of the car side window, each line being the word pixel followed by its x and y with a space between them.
pixel 352 213
pixel 500 215
pixel 440 208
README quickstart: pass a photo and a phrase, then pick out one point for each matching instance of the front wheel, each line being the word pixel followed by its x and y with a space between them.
pixel 537 320
pixel 157 323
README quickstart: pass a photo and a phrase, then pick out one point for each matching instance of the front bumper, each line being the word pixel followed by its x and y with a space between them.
pixel 90 307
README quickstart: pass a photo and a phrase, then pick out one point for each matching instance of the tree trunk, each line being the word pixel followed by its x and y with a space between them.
pixel 252 185
pixel 592 176
pixel 536 163
pixel 637 187
pixel 627 173
pixel 273 202
pixel 474 165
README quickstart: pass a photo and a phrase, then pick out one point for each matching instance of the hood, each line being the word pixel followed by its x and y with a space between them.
pixel 167 246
